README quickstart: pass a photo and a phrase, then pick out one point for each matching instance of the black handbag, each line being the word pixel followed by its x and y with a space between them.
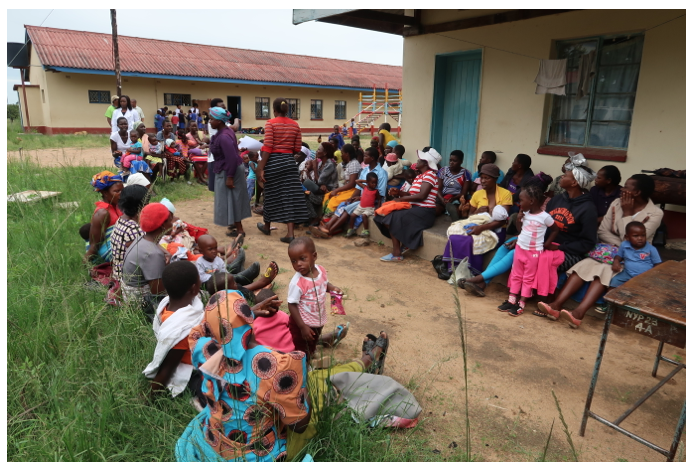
pixel 441 267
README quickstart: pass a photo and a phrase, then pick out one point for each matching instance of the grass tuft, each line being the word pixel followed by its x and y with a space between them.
pixel 566 428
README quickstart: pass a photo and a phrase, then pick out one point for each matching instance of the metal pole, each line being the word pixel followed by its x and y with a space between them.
pixel 658 354
pixel 26 105
pixel 116 57
pixel 596 369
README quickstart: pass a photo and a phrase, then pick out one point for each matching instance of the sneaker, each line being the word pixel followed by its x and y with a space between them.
pixel 365 233
pixel 601 308
pixel 507 306
pixel 350 233
pixel 515 311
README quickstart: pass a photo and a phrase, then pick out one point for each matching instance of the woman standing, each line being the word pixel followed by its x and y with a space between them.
pixel 284 198
pixel 105 215
pixel 126 111
pixel 405 227
pixel 231 203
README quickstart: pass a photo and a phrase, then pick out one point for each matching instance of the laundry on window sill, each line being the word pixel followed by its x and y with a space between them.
pixel 551 78
pixel 586 71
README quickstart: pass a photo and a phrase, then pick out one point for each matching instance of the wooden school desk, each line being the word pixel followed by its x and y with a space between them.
pixel 652 304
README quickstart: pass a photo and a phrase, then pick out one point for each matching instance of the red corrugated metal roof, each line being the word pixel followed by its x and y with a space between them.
pixel 84 50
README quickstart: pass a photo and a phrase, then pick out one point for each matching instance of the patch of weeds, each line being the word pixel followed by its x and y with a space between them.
pixel 477 367
pixel 380 243
pixel 624 397
pixel 282 270
pixel 244 246
pixel 677 358
pixel 262 256
pixel 371 297
pixel 622 460
pixel 566 428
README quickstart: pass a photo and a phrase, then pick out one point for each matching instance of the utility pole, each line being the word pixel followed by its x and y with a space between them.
pixel 116 57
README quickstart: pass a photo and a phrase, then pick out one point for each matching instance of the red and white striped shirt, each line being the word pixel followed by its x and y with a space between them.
pixel 282 135
pixel 431 178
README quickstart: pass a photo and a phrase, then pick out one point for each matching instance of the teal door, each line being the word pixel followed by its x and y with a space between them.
pixel 456 105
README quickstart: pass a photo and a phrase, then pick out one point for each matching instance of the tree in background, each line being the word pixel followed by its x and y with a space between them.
pixel 12 112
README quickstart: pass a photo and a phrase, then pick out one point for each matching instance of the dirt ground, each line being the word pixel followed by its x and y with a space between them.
pixel 68 157
pixel 514 363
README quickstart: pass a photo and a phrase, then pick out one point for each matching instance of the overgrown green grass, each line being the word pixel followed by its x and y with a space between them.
pixel 34 141
pixel 75 387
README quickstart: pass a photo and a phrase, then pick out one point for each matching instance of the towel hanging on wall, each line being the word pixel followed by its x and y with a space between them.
pixel 551 78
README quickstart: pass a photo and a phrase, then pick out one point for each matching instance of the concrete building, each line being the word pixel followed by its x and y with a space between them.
pixel 468 83
pixel 70 81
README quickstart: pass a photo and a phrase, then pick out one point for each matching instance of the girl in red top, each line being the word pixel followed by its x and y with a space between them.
pixel 284 197
pixel 405 227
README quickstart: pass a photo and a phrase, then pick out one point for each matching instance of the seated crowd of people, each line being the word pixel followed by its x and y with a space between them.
pixel 217 324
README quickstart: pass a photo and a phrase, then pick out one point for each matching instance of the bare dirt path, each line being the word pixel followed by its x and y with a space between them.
pixel 514 363
pixel 69 157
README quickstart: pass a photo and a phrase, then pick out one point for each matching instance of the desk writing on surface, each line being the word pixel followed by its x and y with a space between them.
pixel 652 304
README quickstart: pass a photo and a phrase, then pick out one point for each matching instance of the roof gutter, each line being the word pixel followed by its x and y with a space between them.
pixel 206 79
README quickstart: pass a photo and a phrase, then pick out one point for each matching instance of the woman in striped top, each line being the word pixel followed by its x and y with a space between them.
pixel 405 227
pixel 284 197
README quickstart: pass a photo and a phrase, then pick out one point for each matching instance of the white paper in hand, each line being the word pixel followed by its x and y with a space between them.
pixel 250 144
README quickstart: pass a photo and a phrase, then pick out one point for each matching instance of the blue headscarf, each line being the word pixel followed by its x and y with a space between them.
pixel 220 114
pixel 392 143
pixel 105 179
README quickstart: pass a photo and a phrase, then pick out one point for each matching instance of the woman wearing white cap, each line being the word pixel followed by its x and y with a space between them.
pixel 405 227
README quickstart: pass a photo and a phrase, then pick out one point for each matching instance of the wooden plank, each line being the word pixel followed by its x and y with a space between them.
pixel 660 293
pixel 487 20
pixel 650 327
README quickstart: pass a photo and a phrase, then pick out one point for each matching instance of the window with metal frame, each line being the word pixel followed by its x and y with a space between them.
pixel 602 75
pixel 294 108
pixel 340 109
pixel 262 107
pixel 316 109
pixel 177 99
pixel 100 96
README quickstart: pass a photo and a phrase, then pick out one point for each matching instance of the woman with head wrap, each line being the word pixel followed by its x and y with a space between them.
pixel 284 199
pixel 231 202
pixel 145 259
pixel 260 405
pixel 105 216
pixel 634 204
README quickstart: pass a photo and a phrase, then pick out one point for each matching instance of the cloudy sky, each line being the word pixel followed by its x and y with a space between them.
pixel 267 30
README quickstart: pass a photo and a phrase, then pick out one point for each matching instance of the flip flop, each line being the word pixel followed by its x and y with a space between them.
pixel 318 233
pixel 573 322
pixel 367 345
pixel 238 241
pixel 339 330
pixel 391 258
pixel 551 313
pixel 378 364
pixel 474 289
pixel 261 228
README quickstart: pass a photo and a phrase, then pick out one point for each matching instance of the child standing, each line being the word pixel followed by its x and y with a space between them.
pixel 306 295
pixel 635 255
pixel 174 121
pixel 529 246
pixel 250 179
pixel 370 198
pixel 177 314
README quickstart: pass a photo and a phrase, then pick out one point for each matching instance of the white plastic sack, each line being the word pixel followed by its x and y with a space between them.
pixel 250 144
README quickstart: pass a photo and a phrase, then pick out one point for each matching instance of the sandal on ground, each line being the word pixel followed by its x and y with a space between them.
pixel 318 233
pixel 238 241
pixel 515 311
pixel 365 233
pixel 378 363
pixel 472 288
pixel 232 232
pixel 340 333
pixel 507 306
pixel 368 344
pixel 573 322
pixel 600 308
pixel 391 258
pixel 545 308
pixel 286 239
pixel 258 210
pixel 349 233
pixel 539 314
pixel 261 228
pixel 404 250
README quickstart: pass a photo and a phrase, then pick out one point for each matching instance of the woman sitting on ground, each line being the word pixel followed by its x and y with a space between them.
pixel 405 227
pixel 454 181
pixel 105 216
pixel 574 213
pixel 351 170
pixel 266 390
pixel 634 204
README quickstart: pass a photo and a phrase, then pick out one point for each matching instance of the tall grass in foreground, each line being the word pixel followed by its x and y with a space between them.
pixel 74 381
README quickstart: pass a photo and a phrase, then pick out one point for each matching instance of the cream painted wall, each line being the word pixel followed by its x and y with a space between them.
pixel 37 76
pixel 70 105
pixel 35 110
pixel 511 119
